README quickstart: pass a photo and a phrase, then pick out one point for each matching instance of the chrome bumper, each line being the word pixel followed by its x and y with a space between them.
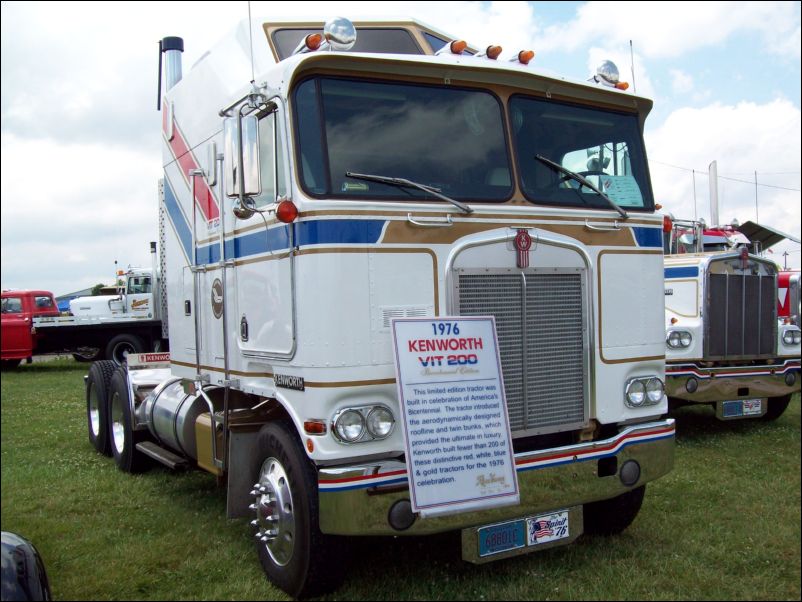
pixel 356 500
pixel 732 382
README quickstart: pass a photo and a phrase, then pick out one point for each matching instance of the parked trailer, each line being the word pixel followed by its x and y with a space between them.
pixel 305 214
pixel 725 345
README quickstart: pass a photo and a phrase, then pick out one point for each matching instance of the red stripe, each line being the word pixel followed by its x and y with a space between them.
pixel 204 198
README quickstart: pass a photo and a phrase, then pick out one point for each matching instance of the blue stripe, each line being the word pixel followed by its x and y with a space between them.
pixel 689 272
pixel 649 237
pixel 177 217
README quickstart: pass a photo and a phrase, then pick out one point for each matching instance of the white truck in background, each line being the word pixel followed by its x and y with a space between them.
pixel 110 326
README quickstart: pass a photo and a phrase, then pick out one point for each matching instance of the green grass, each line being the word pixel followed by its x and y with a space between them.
pixel 724 525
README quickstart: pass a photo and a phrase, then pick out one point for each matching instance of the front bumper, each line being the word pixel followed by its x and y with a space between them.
pixel 732 382
pixel 356 500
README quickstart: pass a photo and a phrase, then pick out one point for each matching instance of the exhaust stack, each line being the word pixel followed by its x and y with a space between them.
pixel 172 47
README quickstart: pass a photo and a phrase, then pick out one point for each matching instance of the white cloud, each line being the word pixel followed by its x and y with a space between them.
pixel 670 29
pixel 681 82
pixel 742 138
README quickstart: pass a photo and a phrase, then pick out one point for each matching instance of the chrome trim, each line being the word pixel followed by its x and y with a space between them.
pixel 548 479
pixel 722 384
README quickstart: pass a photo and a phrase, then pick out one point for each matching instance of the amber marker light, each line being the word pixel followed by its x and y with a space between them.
pixel 622 85
pixel 313 41
pixel 493 52
pixel 525 56
pixel 458 46
pixel 667 224
pixel 286 212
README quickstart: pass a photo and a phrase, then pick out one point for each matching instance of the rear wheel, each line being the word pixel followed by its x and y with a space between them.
pixel 610 517
pixel 97 405
pixel 293 552
pixel 776 407
pixel 10 364
pixel 123 344
pixel 121 421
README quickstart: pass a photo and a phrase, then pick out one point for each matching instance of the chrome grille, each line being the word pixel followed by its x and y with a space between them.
pixel 741 316
pixel 540 326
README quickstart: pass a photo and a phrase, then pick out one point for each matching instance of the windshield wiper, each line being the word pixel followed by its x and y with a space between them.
pixel 582 180
pixel 404 183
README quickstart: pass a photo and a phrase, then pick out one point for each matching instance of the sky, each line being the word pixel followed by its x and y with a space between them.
pixel 81 136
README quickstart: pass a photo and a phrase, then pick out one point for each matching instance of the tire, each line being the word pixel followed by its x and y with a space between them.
pixel 97 405
pixel 776 407
pixel 123 437
pixel 293 552
pixel 121 345
pixel 610 517
pixel 86 354
pixel 11 364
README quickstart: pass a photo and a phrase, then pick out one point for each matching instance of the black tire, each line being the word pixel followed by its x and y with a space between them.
pixel 10 364
pixel 298 558
pixel 121 345
pixel 97 405
pixel 123 437
pixel 86 354
pixel 610 517
pixel 776 407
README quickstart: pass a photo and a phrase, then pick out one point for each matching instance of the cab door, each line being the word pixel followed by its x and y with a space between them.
pixel 16 328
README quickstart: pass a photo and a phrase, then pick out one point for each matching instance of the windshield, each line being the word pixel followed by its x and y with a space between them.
pixel 602 146
pixel 454 140
pixel 446 138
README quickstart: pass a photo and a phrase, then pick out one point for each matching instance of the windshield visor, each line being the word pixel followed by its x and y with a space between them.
pixel 442 137
pixel 604 147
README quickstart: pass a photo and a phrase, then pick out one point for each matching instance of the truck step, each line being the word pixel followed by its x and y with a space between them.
pixel 162 455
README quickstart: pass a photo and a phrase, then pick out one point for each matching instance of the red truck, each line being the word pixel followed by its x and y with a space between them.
pixel 19 309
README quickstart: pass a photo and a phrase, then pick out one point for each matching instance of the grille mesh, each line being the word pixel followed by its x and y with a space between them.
pixel 539 326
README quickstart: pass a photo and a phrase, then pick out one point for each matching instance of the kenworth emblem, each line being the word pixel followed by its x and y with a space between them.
pixel 523 242
pixel 217 298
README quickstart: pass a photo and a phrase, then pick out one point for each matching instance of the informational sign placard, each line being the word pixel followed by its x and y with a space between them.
pixel 456 428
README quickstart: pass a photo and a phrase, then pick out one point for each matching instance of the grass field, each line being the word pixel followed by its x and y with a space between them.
pixel 724 525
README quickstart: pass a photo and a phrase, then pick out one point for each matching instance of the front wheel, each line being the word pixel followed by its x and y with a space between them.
pixel 97 405
pixel 121 346
pixel 293 552
pixel 610 517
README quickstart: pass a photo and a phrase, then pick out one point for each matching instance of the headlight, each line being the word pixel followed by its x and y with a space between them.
pixel 645 391
pixel 363 424
pixel 349 426
pixel 654 390
pixel 792 337
pixel 636 393
pixel 679 339
pixel 380 422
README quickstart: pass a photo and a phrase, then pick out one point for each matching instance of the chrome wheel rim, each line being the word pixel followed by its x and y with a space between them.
pixel 275 517
pixel 94 411
pixel 117 425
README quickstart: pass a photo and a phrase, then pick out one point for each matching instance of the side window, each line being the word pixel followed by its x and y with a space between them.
pixel 138 285
pixel 43 302
pixel 12 305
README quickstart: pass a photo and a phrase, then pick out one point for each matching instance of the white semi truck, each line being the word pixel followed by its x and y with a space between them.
pixel 373 172
pixel 725 344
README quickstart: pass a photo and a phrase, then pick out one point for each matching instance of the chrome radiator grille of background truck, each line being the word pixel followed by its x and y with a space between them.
pixel 741 316
pixel 541 322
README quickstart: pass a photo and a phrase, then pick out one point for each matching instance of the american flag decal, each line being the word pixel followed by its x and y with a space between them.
pixel 543 529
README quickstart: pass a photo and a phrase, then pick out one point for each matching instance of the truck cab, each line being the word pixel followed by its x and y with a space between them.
pixel 18 310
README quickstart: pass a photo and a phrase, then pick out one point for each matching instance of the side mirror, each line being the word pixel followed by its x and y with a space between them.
pixel 242 159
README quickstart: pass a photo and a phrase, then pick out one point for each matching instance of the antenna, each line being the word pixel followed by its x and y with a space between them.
pixel 250 36
pixel 632 63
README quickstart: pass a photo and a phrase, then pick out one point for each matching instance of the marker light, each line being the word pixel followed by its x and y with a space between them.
pixel 310 43
pixel 492 52
pixel 286 212
pixel 524 56
pixel 622 85
pixel 454 47
pixel 667 224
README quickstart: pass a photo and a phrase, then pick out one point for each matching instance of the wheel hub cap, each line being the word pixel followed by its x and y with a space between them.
pixel 275 519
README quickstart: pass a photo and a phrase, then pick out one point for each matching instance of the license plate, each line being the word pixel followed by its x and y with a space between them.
pixel 742 407
pixel 526 532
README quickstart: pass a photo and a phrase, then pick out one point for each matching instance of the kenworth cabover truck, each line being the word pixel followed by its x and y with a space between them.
pixel 725 344
pixel 403 176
